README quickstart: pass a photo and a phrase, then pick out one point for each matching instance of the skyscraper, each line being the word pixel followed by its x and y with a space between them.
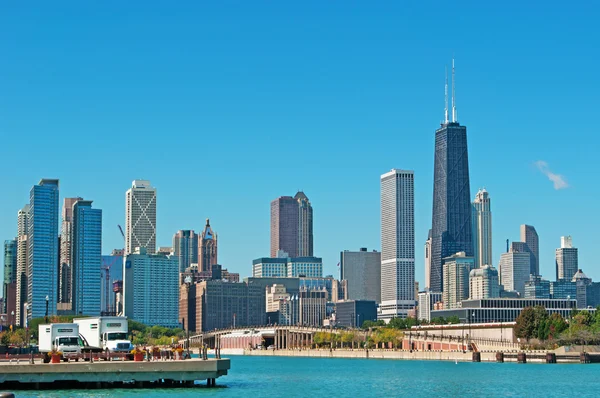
pixel 567 262
pixel 22 255
pixel 140 217
pixel 529 235
pixel 292 226
pixel 185 248
pixel 10 276
pixel 515 270
pixel 484 283
pixel 362 271
pixel 43 249
pixel 428 262
pixel 65 270
pixel 451 219
pixel 397 244
pixel 456 279
pixel 207 252
pixel 482 229
pixel 86 257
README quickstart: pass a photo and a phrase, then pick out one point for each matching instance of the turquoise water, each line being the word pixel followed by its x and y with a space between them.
pixel 304 377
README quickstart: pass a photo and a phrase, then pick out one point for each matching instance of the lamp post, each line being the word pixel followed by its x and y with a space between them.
pixel 47 302
pixel 12 325
pixel 188 282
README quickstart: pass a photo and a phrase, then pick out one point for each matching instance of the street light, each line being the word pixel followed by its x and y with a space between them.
pixel 13 320
pixel 47 301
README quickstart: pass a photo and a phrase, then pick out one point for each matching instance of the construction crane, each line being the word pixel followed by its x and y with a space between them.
pixel 106 268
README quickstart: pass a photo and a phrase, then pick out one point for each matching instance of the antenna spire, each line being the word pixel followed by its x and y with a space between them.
pixel 446 98
pixel 453 94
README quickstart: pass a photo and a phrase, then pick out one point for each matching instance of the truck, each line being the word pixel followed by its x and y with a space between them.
pixel 62 337
pixel 107 332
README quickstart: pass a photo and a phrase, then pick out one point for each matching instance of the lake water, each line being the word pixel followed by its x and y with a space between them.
pixel 332 377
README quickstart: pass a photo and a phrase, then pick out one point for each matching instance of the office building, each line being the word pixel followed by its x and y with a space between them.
pixel 567 262
pixel 267 267
pixel 484 283
pixel 275 296
pixel 140 217
pixel 65 272
pixel 207 251
pixel 397 244
pixel 427 301
pixel 503 309
pixel 482 229
pixel 312 306
pixel 581 282
pixel 362 271
pixel 537 288
pixel 311 267
pixel 292 226
pixel 515 269
pixel 9 287
pixel 428 261
pixel 111 271
pixel 86 258
pixel 353 313
pixel 43 249
pixel 451 218
pixel 456 279
pixel 22 256
pixel 563 289
pixel 185 248
pixel 593 295
pixel 151 288
pixel 221 305
pixel 187 306
pixel 529 235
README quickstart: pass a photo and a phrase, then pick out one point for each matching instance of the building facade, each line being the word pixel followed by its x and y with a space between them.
pixel 9 287
pixel 397 244
pixel 515 269
pixel 482 229
pixel 427 301
pixel 428 261
pixel 456 272
pixel 529 235
pixel 151 289
pixel 311 267
pixel 207 251
pixel 484 283
pixel 267 267
pixel 140 217
pixel 111 302
pixel 86 258
pixel 66 235
pixel 312 306
pixel 353 313
pixel 567 262
pixel 305 225
pixel 362 271
pixel 537 288
pixel 292 226
pixel 185 248
pixel 22 258
pixel 43 249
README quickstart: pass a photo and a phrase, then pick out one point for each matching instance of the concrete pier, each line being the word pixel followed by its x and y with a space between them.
pixel 106 374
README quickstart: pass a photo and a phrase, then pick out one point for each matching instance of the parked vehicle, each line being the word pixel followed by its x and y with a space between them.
pixel 108 333
pixel 59 337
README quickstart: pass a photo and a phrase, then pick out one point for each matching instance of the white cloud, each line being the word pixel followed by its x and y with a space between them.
pixel 558 180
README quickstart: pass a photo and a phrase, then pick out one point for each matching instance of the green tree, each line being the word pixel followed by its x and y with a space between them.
pixel 525 323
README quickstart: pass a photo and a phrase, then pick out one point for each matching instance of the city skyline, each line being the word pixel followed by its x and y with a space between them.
pixel 393 94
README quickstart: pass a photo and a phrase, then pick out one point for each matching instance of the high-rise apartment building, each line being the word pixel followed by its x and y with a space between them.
pixel 456 279
pixel 515 268
pixel 43 249
pixel 140 217
pixel 482 229
pixel 567 262
pixel 529 235
pixel 312 304
pixel 362 271
pixel 484 283
pixel 151 289
pixel 65 276
pixel 185 248
pixel 428 261
pixel 9 287
pixel 292 226
pixel 86 258
pixel 397 244
pixel 22 256
pixel 207 252
pixel 427 301
pixel 451 219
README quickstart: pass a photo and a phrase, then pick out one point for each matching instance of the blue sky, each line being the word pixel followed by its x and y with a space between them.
pixel 226 106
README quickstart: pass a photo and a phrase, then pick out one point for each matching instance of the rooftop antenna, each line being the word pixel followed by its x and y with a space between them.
pixel 446 98
pixel 453 94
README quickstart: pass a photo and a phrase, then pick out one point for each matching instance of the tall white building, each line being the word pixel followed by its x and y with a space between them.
pixel 140 217
pixel 427 301
pixel 22 255
pixel 567 263
pixel 428 262
pixel 397 244
pixel 456 271
pixel 515 267
pixel 484 283
pixel 482 229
